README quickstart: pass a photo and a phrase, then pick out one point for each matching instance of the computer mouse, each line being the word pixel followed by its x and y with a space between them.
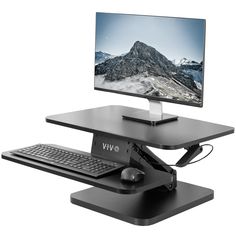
pixel 131 174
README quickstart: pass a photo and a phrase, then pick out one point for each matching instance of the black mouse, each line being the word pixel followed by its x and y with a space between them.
pixel 132 174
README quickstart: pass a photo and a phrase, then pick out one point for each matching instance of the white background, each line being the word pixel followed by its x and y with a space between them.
pixel 46 67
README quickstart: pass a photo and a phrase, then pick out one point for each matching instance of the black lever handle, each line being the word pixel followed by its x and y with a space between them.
pixel 192 152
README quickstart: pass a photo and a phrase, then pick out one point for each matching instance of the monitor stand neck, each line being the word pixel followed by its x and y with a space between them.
pixel 155 109
pixel 154 116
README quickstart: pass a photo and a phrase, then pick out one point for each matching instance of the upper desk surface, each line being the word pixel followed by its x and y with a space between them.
pixel 173 135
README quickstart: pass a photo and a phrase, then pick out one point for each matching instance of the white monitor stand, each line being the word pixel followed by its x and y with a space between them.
pixel 153 116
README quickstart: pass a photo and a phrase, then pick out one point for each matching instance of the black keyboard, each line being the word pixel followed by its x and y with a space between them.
pixel 70 160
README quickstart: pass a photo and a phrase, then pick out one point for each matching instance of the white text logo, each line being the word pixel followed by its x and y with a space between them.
pixel 110 147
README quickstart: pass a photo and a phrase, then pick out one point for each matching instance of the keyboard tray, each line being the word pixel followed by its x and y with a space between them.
pixel 153 178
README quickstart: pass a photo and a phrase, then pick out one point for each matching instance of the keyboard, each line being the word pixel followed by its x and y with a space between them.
pixel 76 161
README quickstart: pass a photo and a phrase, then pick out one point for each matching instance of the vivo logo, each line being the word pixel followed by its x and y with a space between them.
pixel 110 147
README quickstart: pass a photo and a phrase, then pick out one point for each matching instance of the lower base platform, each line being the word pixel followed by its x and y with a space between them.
pixel 143 208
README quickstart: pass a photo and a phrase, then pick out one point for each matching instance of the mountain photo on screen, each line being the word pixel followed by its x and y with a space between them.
pixel 150 56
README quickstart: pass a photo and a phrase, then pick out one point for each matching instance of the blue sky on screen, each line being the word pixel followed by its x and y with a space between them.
pixel 173 37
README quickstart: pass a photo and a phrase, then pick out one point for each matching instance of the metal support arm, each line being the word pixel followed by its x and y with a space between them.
pixel 154 161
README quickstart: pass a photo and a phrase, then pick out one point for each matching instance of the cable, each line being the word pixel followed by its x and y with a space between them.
pixel 192 162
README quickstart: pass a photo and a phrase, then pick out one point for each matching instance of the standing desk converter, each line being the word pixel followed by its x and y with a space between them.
pixel 159 195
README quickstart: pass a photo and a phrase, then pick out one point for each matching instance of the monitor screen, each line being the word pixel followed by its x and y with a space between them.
pixel 155 57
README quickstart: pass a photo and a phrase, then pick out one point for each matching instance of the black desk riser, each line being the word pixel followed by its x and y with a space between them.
pixel 159 195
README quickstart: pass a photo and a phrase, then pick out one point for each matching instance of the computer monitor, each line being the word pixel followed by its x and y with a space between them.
pixel 154 57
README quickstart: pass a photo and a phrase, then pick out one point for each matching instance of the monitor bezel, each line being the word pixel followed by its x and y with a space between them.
pixel 154 97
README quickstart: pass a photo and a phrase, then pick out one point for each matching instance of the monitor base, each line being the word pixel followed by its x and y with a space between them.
pixel 146 118
pixel 153 116
pixel 144 208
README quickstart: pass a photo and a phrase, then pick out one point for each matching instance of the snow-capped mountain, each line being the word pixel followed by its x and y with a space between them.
pixel 186 64
pixel 141 58
pixel 100 57
pixel 145 70
pixel 185 61
pixel 191 68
